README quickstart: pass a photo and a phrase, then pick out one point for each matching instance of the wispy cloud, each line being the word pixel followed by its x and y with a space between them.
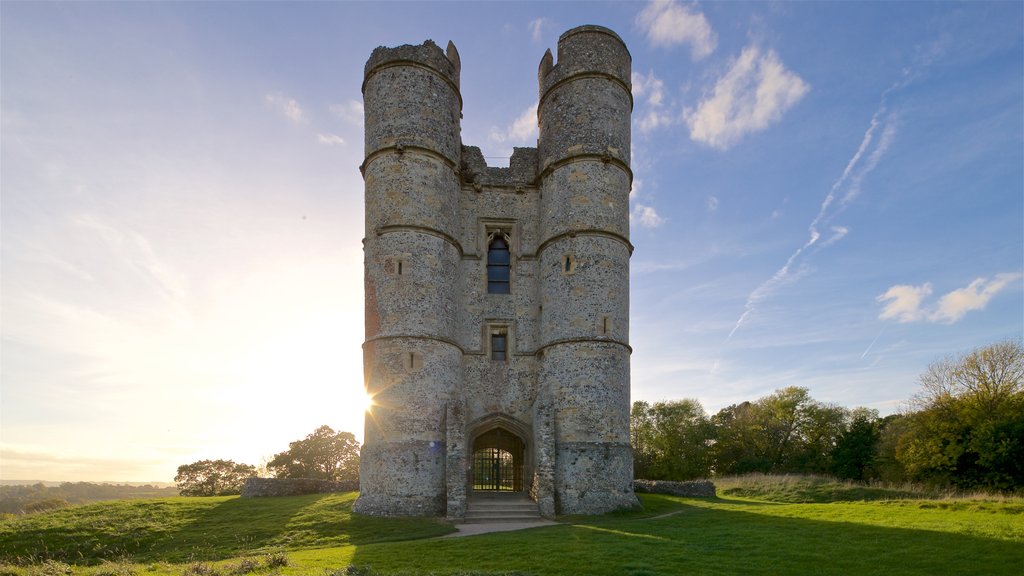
pixel 667 24
pixel 752 94
pixel 537 26
pixel 870 151
pixel 711 203
pixel 906 303
pixel 522 130
pixel 330 139
pixel 650 91
pixel 838 233
pixel 645 216
pixel 350 112
pixel 289 107
pixel 649 87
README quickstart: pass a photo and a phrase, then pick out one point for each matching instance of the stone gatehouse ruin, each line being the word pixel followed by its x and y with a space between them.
pixel 497 299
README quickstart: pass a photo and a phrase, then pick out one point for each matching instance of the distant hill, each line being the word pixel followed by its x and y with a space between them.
pixel 51 483
pixel 42 496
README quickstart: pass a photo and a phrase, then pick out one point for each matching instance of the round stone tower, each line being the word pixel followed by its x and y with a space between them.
pixel 584 250
pixel 412 363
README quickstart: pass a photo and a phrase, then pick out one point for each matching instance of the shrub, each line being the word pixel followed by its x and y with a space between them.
pixel 275 560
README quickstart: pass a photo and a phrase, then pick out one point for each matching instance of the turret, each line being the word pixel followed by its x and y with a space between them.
pixel 412 364
pixel 584 151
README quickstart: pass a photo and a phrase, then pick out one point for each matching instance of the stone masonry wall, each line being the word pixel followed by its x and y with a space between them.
pixel 294 486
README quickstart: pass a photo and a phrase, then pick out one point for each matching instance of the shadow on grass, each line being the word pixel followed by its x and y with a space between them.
pixel 173 529
pixel 714 537
pixel 179 530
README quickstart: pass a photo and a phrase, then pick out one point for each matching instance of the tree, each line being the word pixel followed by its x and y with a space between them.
pixel 968 427
pixel 786 431
pixel 735 449
pixel 856 450
pixel 670 440
pixel 324 454
pixel 212 477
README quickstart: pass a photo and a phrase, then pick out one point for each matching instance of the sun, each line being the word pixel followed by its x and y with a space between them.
pixel 368 402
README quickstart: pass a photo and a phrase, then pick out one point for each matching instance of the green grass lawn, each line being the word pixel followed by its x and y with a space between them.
pixel 752 534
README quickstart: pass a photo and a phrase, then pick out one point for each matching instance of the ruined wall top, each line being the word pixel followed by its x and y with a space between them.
pixel 521 171
pixel 447 63
pixel 586 49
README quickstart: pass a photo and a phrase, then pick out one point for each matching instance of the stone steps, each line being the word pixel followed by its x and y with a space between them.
pixel 490 508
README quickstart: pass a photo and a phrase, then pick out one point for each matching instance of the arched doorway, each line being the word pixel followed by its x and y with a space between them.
pixel 498 461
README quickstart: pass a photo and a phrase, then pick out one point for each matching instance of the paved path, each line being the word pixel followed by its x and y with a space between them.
pixel 485 528
pixel 488 527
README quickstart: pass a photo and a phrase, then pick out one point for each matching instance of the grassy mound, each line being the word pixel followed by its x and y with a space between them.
pixel 805 488
pixel 757 534
pixel 191 529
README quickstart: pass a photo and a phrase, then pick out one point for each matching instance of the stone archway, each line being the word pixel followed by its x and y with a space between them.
pixel 498 461
pixel 500 458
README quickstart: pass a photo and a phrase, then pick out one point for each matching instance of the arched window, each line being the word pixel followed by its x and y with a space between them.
pixel 499 264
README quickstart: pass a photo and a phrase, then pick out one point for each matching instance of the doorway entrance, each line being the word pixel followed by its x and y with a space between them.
pixel 498 461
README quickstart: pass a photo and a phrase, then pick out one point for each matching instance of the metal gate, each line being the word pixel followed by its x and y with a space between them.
pixel 498 461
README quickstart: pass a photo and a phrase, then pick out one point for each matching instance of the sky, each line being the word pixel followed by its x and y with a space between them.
pixel 826 194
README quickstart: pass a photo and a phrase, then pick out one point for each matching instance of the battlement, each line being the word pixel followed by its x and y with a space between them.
pixel 446 63
pixel 586 50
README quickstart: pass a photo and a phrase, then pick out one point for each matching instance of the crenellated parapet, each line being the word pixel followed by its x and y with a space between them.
pixel 585 98
pixel 412 101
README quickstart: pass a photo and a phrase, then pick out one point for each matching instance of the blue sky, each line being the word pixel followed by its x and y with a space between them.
pixel 827 195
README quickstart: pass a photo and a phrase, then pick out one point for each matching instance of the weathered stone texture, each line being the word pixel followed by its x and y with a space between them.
pixel 694 488
pixel 432 206
pixel 255 487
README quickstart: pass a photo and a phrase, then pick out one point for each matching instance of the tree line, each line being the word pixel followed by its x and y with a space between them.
pixel 964 429
pixel 324 454
pixel 38 497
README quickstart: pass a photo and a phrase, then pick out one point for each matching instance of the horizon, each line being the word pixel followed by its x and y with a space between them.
pixel 828 196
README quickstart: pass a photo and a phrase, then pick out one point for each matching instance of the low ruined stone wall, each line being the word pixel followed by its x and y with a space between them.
pixel 694 488
pixel 294 486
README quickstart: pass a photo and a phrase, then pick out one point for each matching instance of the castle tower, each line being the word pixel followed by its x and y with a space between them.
pixel 497 299
pixel 584 113
pixel 411 363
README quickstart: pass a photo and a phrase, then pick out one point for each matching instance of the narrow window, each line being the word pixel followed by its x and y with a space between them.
pixel 498 345
pixel 568 264
pixel 399 267
pixel 498 265
pixel 413 361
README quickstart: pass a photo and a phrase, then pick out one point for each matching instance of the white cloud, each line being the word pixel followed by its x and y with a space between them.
pixel 838 233
pixel 975 296
pixel 522 130
pixel 635 188
pixel 666 23
pixel 649 86
pixel 904 302
pixel 651 90
pixel 351 112
pixel 537 26
pixel 330 139
pixel 287 106
pixel 652 119
pixel 645 216
pixel 753 93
